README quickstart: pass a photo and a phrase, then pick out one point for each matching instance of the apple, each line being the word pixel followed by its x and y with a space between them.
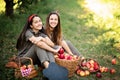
pixel 98 75
pixel 30 66
pixel 91 61
pixel 96 66
pixel 106 69
pixel 87 72
pixel 112 71
pixel 61 51
pixel 82 73
pixel 23 67
pixel 88 65
pixel 78 71
pixel 69 57
pixel 62 56
pixel 83 64
pixel 102 69
pixel 91 69
pixel 113 61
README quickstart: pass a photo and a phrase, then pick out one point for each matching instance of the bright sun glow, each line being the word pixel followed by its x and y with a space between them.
pixel 103 10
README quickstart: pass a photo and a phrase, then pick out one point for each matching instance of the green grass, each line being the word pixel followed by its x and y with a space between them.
pixel 83 37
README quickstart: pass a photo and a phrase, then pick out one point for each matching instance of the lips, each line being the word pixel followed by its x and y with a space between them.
pixel 53 24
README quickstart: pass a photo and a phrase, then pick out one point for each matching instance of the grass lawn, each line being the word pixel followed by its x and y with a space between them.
pixel 85 38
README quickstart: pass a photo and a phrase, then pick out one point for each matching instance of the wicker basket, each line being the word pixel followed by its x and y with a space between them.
pixel 69 64
pixel 33 73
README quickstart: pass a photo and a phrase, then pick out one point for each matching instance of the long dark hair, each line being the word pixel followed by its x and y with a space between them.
pixel 57 36
pixel 21 38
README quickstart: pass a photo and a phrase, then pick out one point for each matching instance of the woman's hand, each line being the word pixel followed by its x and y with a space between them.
pixel 35 40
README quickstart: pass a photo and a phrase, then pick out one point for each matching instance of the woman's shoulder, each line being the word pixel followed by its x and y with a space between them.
pixel 29 31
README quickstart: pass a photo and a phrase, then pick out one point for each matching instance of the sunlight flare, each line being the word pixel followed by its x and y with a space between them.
pixel 101 9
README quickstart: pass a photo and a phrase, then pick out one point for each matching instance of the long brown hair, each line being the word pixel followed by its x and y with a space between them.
pixel 57 34
pixel 21 39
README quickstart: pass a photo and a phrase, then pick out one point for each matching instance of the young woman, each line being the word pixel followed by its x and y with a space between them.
pixel 33 43
pixel 53 30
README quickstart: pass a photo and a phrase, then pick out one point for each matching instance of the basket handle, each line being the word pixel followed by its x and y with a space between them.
pixel 31 61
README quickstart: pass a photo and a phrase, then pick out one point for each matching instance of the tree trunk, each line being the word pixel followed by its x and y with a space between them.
pixel 9 8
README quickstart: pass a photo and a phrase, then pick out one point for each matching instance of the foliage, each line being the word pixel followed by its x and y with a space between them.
pixel 108 21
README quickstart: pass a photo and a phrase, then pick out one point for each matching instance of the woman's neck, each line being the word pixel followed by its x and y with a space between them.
pixel 36 31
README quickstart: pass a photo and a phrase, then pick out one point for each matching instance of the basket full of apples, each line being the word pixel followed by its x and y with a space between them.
pixel 68 61
pixel 89 64
pixel 26 70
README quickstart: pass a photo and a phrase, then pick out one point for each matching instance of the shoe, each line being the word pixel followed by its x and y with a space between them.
pixel 12 64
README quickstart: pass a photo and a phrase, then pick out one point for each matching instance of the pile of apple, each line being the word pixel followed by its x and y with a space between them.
pixel 89 66
pixel 25 70
pixel 82 72
pixel 62 55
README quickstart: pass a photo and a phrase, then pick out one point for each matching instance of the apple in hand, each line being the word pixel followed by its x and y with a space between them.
pixel 61 51
pixel 113 61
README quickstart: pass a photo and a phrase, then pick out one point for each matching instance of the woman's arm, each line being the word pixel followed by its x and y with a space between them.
pixel 65 46
pixel 40 43
pixel 49 42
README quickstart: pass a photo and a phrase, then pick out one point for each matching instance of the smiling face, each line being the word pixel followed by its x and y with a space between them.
pixel 36 24
pixel 53 20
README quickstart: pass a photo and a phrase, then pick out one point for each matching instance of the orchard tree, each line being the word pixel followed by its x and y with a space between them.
pixel 9 7
pixel 9 11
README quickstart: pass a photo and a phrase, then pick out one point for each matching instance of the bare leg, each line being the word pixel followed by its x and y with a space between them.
pixel 46 64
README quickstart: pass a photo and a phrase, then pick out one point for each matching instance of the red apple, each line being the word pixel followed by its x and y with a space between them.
pixel 113 61
pixel 112 71
pixel 69 57
pixel 96 66
pixel 106 69
pixel 88 65
pixel 91 69
pixel 61 51
pixel 62 56
pixel 23 67
pixel 83 64
pixel 98 75
pixel 78 71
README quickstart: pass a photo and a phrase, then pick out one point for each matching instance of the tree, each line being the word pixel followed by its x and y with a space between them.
pixel 9 7
pixel 9 11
